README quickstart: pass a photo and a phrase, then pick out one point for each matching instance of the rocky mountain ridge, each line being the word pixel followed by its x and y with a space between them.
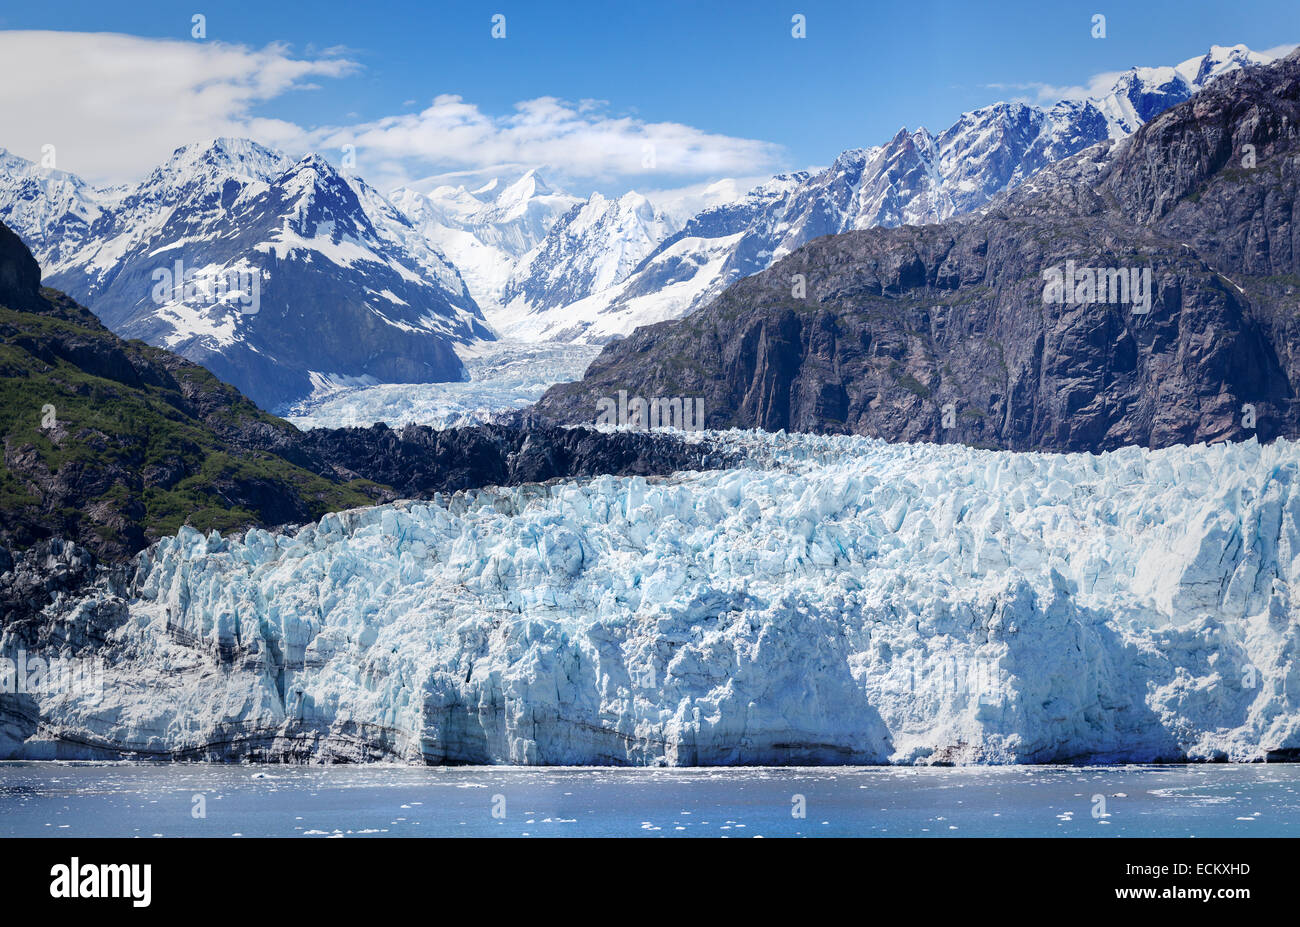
pixel 277 275
pixel 943 333
pixel 915 178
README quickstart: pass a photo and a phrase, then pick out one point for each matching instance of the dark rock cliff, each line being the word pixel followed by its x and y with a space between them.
pixel 418 460
pixel 942 333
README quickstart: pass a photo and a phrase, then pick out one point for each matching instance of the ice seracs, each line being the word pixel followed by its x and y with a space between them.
pixel 835 600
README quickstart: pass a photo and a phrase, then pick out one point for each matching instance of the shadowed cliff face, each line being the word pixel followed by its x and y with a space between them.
pixel 943 333
pixel 20 276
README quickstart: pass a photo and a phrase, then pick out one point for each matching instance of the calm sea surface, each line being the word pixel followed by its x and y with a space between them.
pixel 76 799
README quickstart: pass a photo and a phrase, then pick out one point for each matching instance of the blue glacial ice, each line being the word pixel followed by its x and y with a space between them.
pixel 504 376
pixel 833 600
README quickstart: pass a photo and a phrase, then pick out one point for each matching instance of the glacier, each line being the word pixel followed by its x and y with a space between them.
pixel 504 377
pixel 831 600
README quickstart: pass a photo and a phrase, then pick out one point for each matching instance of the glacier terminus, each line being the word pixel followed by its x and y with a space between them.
pixel 833 600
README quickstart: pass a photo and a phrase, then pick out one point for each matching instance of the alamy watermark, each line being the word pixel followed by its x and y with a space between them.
pixel 76 879
pixel 978 679
pixel 641 414
pixel 238 286
pixel 1073 285
pixel 32 674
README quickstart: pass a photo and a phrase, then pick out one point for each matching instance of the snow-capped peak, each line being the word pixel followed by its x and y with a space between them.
pixel 50 209
pixel 485 232
pixel 1219 60
pixel 1142 92
pixel 335 282
pixel 241 158
pixel 915 178
pixel 529 185
pixel 593 246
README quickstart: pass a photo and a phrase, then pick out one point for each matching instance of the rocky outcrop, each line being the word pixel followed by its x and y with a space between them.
pixel 419 460
pixel 943 333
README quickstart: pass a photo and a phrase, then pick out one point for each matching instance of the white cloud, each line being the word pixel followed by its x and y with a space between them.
pixel 1041 94
pixel 115 106
pixel 684 202
pixel 577 141
pixel 1279 51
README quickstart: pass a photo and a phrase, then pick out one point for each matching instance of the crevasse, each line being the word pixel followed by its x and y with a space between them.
pixel 835 600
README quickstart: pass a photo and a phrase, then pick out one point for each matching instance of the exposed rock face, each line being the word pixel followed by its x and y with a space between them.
pixel 33 578
pixel 20 275
pixel 942 333
pixel 419 461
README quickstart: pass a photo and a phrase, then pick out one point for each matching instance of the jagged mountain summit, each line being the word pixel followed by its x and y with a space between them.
pixel 1179 327
pixel 277 275
pixel 590 248
pixel 52 209
pixel 487 230
pixel 915 178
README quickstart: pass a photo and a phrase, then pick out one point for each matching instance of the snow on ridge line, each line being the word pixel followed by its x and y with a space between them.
pixel 886 603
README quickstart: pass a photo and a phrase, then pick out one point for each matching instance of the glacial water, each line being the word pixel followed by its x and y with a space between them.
pixel 124 800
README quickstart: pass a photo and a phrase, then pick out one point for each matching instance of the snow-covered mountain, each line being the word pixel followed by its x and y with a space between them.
pixel 487 230
pixel 686 269
pixel 590 248
pixel 51 210
pixel 276 275
pixel 836 600
pixel 915 178
pixel 542 264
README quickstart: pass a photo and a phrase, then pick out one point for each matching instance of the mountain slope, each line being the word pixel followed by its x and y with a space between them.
pixel 486 231
pixel 590 248
pixel 273 274
pixel 915 178
pixel 114 443
pixel 943 333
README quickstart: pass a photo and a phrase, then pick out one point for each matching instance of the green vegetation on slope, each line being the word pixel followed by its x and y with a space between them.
pixel 116 443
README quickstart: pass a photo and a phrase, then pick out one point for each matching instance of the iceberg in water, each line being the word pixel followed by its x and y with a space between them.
pixel 834 600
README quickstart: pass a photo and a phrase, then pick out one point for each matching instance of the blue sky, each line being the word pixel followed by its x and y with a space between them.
pixel 725 83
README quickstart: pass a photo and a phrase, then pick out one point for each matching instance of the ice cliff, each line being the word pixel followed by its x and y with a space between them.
pixel 835 600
